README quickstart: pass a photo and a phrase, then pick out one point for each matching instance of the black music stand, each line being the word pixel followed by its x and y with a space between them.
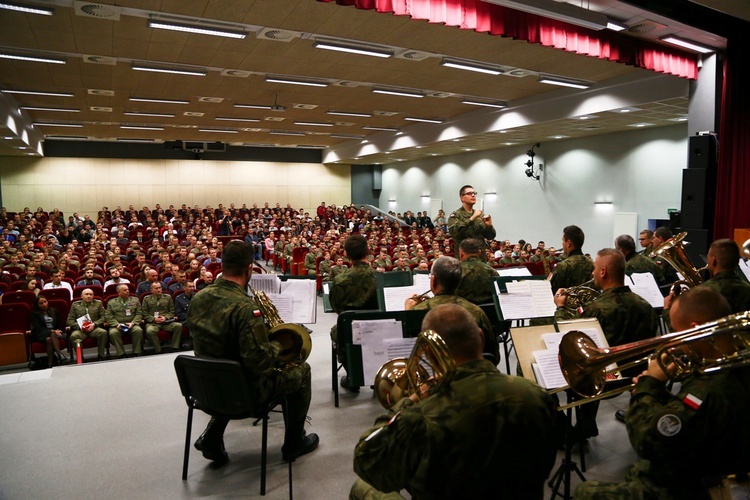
pixel 561 477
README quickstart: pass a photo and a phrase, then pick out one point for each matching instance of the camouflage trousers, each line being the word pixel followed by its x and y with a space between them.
pixel 362 490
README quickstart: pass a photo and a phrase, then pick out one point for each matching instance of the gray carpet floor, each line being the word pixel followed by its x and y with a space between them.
pixel 116 429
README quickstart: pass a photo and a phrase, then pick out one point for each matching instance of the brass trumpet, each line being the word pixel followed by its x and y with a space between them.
pixel 295 336
pixel 707 348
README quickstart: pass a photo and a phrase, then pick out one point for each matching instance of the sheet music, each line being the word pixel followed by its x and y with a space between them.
pixel 645 285
pixel 395 296
pixel 422 281
pixel 372 336
pixel 284 305
pixel 745 268
pixel 548 367
pixel 527 299
pixel 267 283
pixel 552 340
pixel 514 271
pixel 304 299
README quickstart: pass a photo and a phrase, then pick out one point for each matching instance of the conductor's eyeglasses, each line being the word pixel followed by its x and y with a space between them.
pixel 470 193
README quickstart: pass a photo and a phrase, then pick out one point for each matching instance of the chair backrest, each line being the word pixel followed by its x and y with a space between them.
pixel 24 297
pixel 56 293
pixel 97 289
pixel 62 307
pixel 215 386
pixel 14 317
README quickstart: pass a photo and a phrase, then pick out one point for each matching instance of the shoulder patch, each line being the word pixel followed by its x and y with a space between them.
pixel 256 312
pixel 692 401
pixel 669 425
pixel 453 214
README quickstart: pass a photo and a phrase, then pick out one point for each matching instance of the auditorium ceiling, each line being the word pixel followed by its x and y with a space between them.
pixel 235 97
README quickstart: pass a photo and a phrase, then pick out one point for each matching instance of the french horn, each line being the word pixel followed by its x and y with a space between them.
pixel 294 337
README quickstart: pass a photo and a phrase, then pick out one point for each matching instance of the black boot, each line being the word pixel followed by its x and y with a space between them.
pixel 211 442
pixel 291 451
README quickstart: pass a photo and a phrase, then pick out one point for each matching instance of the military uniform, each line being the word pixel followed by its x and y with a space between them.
pixel 120 312
pixel 573 271
pixel 460 228
pixel 480 434
pixel 181 304
pixel 637 263
pixel 165 307
pixel 506 261
pixel 96 313
pixel 225 323
pixel 477 284
pixel 310 258
pixel 324 267
pixel 386 262
pixel 733 288
pixel 701 432
pixel 336 270
pixel 351 290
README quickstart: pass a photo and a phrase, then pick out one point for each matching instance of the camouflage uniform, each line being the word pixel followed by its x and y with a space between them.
pixel 480 434
pixel 354 289
pixel 325 269
pixel 701 432
pixel 225 323
pixel 164 305
pixel 128 311
pixel 96 312
pixel 461 228
pixel 506 261
pixel 637 263
pixel 733 288
pixel 573 271
pixel 477 284
pixel 336 270
pixel 387 262
pixel 669 272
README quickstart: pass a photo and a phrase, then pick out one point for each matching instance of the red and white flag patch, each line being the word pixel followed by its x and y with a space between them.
pixel 692 401
pixel 256 312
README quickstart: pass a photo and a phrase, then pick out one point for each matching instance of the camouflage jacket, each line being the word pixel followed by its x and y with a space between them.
pixel 573 271
pixel 733 288
pixel 476 281
pixel 460 228
pixel 702 431
pixel 354 289
pixel 162 304
pixel 480 434
pixel 324 268
pixel 387 262
pixel 226 323
pixel 95 310
pixel 637 263
pixel 623 315
pixel 117 311
pixel 476 312
pixel 337 270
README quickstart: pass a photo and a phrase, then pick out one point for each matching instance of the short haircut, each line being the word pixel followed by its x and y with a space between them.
pixel 626 243
pixel 663 232
pixel 647 233
pixel 470 246
pixel 701 305
pixel 235 258
pixel 457 328
pixel 726 252
pixel 120 287
pixel 356 247
pixel 615 262
pixel 574 234
pixel 463 188
pixel 447 272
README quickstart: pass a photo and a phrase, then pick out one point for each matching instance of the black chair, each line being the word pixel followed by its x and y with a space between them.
pixel 218 387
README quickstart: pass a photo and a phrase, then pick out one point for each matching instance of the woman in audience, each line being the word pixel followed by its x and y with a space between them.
pixel 32 285
pixel 46 326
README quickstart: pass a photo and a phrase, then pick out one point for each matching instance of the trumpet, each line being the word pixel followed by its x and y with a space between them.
pixel 704 349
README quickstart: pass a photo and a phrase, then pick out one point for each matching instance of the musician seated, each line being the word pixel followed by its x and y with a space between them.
pixel 701 432
pixel 478 434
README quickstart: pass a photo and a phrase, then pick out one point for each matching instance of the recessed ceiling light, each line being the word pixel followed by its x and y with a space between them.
pixel 253 106
pixel 641 124
pixel 349 113
pixel 172 71
pixel 625 110
pixel 34 92
pixel 286 132
pixel 28 9
pixel 200 30
pixel 165 101
pixel 308 83
pixel 158 115
pixel 498 105
pixel 451 63
pixel 230 119
pixel 47 124
pixel 17 57
pixel 615 26
pixel 424 120
pixel 363 51
pixel 687 44
pixel 314 124
pixel 64 110
pixel 126 139
pixel 384 129
pixel 558 137
pixel 551 80
pixel 219 131
pixel 400 93
pixel 139 127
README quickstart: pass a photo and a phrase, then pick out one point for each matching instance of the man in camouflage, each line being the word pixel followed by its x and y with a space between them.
pixel 226 323
pixel 310 258
pixel 576 268
pixel 158 312
pixel 93 311
pixel 478 434
pixel 661 236
pixel 477 285
pixel 645 238
pixel 124 316
pixel 466 222
pixel 445 277
pixel 351 290
pixel 383 260
pixel 636 262
pixel 684 439
pixel 723 259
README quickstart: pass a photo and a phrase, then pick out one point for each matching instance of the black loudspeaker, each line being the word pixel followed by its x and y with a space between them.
pixel 698 194
pixel 377 177
pixel 702 152
pixel 697 247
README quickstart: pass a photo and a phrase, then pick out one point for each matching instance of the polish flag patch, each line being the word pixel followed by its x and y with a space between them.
pixel 692 401
pixel 580 310
pixel 256 312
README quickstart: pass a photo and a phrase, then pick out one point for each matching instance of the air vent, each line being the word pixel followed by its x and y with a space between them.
pixel 344 124
pixel 252 130
pixel 211 99
pixel 412 55
pixel 646 26
pixel 518 73
pixel 305 106
pixel 111 61
pixel 439 95
pixel 103 109
pixel 274 119
pixel 98 10
pixel 101 92
pixel 277 35
pixel 193 113
pixel 236 73
pixel 385 113
pixel 182 126
pixel 345 83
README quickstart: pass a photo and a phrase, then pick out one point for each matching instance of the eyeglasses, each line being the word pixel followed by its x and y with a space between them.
pixel 470 193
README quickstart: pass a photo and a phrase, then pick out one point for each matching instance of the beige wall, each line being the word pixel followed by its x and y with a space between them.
pixel 84 185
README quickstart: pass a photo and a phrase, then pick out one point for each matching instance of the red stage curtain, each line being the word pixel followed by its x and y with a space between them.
pixel 501 21
pixel 733 176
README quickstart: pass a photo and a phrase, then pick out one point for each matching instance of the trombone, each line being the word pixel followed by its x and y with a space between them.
pixel 704 349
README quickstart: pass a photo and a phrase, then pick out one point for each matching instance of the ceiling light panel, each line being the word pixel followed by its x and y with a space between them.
pixel 351 49
pixel 18 57
pixel 172 71
pixel 64 110
pixel 467 66
pixel 157 115
pixel 290 81
pixel 400 93
pixel 28 9
pixel 199 30
pixel 687 44
pixel 161 101
pixel 34 92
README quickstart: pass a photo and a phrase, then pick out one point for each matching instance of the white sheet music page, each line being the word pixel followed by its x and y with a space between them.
pixel 552 340
pixel 745 268
pixel 527 299
pixel 372 336
pixel 549 367
pixel 284 305
pixel 544 299
pixel 514 271
pixel 395 296
pixel 304 298
pixel 645 285
pixel 267 283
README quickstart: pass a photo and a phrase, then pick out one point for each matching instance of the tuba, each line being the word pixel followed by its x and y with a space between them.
pixel 704 349
pixel 295 338
pixel 673 252
pixel 401 377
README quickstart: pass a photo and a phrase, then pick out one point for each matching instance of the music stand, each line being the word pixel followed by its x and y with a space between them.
pixel 561 477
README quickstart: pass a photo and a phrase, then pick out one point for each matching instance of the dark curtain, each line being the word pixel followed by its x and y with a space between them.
pixel 501 21
pixel 733 177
